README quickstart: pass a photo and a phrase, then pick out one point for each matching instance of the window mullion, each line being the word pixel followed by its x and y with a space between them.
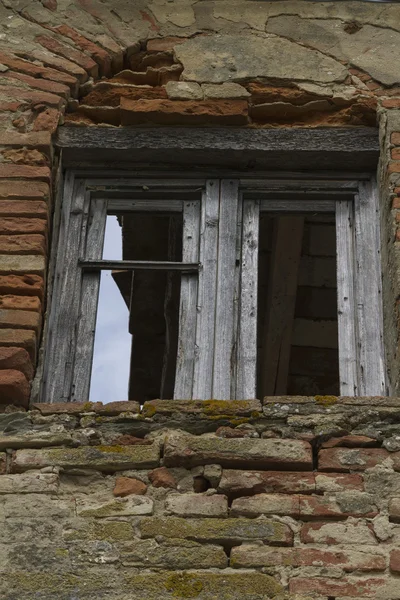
pixel 347 330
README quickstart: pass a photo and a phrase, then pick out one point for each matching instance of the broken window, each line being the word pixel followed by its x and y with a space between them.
pixel 216 288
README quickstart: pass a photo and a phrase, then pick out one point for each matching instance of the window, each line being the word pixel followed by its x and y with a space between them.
pixel 219 273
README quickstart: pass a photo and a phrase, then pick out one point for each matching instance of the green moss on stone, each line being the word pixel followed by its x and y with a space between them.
pixel 326 401
pixel 223 407
pixel 149 410
pixel 183 585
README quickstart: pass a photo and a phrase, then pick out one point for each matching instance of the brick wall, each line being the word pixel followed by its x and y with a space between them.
pixel 295 499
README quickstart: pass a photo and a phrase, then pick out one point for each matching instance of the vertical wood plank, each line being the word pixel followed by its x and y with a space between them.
pixel 247 335
pixel 345 299
pixel 90 285
pixel 204 351
pixel 372 377
pixel 281 300
pixel 236 298
pixel 224 341
pixel 188 303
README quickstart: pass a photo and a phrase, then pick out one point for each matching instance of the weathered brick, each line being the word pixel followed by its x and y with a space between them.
pixel 352 587
pixel 81 59
pixel 24 285
pixel 174 554
pixel 247 556
pixel 24 190
pixel 189 451
pixel 197 505
pixel 395 561
pixel 336 482
pixel 125 486
pixel 358 533
pixel 29 483
pixel 31 98
pixel 115 507
pixel 47 120
pixel 164 44
pixel 44 85
pixel 2 463
pixel 162 477
pixel 14 225
pixel 21 338
pixel 243 483
pixel 218 530
pixel 350 441
pixel 14 387
pixel 23 244
pixel 100 458
pixel 24 172
pixel 23 208
pixel 395 153
pixel 16 359
pixel 20 319
pixel 17 265
pixel 357 459
pixel 24 156
pixel 391 103
pixel 180 112
pixel 40 141
pixel 395 138
pixel 100 56
pixel 266 504
pixel 59 63
pixel 24 66
pixel 394 166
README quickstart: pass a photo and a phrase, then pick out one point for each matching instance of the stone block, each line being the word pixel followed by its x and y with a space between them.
pixel 244 483
pixel 184 90
pixel 173 554
pixel 266 504
pixel 225 90
pixel 115 507
pixel 36 439
pixel 336 482
pixel 182 450
pixel 350 532
pixel 248 556
pixel 100 458
pixel 29 483
pixel 162 477
pixel 125 486
pixel 206 408
pixel 394 509
pixel 197 505
pixel 346 586
pixel 36 506
pixel 3 462
pixel 221 531
pixel 355 459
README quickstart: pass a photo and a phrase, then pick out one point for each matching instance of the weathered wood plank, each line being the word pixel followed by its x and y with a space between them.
pixel 154 206
pixel 345 299
pixel 204 354
pixel 372 376
pixel 133 265
pixel 89 302
pixel 224 341
pixel 281 301
pixel 297 206
pixel 188 301
pixel 247 336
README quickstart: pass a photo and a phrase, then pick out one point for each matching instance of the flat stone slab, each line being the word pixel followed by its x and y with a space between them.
pixel 182 450
pixel 29 483
pixel 220 58
pixel 116 507
pixel 99 458
pixel 207 408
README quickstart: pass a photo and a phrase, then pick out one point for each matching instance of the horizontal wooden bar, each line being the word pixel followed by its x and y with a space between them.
pixel 298 206
pixel 133 265
pixel 152 206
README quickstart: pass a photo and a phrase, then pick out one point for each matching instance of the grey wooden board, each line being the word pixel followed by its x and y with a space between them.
pixel 224 341
pixel 372 377
pixel 123 206
pixel 236 298
pixel 284 149
pixel 188 303
pixel 204 353
pixel 346 309
pixel 281 301
pixel 247 334
pixel 89 303
pixel 297 206
pixel 147 265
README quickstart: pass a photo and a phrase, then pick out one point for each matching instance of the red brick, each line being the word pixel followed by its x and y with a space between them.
pixel 40 84
pixel 59 63
pixel 395 561
pixel 248 556
pixel 39 141
pixel 352 587
pixel 323 507
pixel 391 103
pixel 23 208
pixel 47 120
pixel 356 533
pixel 125 486
pixel 162 477
pixel 396 202
pixel 107 94
pixel 23 244
pixel 337 482
pixel 23 285
pixel 19 319
pixel 20 338
pixel 181 112
pixel 21 303
pixel 70 53
pixel 395 153
pixel 24 172
pixel 236 483
pixel 23 156
pixel 357 459
pixel 14 388
pixel 266 504
pixel 395 138
pixel 16 359
pixel 101 57
pixel 165 44
pixel 24 190
pixel 394 167
pixel 32 98
pixel 24 66
pixel 10 225
pixel 350 441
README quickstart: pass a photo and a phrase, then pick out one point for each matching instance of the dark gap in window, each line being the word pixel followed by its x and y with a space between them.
pixel 297 322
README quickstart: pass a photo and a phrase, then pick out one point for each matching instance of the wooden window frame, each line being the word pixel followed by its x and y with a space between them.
pixel 256 163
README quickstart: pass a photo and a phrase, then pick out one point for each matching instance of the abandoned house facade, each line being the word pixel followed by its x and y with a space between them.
pixel 199 299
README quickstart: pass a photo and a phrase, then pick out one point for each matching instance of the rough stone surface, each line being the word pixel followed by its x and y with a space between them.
pixel 197 505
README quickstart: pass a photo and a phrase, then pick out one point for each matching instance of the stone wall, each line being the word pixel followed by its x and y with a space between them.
pixel 296 498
